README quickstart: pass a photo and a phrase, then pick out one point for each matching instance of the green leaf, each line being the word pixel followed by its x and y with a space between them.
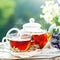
pixel 55 20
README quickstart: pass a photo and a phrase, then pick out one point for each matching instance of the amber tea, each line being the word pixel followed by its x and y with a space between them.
pixel 41 40
pixel 21 45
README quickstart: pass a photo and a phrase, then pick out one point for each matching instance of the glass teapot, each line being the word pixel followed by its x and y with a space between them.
pixel 31 32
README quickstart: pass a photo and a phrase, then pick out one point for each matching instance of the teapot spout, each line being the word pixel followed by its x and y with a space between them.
pixel 51 28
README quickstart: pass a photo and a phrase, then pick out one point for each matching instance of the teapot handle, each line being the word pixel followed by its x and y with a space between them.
pixel 13 29
pixel 51 28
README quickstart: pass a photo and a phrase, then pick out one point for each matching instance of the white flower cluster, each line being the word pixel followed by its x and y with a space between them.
pixel 50 10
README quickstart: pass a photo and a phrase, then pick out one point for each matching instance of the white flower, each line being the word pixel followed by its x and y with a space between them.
pixel 50 10
pixel 48 18
pixel 58 1
pixel 55 10
pixel 49 3
pixel 46 9
pixel 56 6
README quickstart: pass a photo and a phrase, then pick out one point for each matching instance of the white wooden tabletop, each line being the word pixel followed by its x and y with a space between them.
pixel 6 55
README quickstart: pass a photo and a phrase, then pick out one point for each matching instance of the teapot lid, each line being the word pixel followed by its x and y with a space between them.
pixel 31 24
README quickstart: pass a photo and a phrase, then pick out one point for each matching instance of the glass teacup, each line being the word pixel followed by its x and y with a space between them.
pixel 15 42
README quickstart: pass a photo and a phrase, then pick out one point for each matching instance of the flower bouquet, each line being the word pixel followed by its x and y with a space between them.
pixel 51 14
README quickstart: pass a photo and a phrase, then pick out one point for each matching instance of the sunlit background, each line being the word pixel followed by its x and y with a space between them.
pixel 15 13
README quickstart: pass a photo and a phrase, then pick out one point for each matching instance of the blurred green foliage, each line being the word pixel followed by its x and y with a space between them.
pixel 7 17
pixel 6 10
pixel 15 13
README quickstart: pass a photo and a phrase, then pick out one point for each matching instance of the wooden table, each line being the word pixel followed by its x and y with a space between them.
pixel 7 55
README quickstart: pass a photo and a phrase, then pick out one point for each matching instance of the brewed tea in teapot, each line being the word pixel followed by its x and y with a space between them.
pixel 38 35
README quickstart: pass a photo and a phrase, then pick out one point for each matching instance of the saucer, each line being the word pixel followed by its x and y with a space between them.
pixel 38 52
pixel 25 54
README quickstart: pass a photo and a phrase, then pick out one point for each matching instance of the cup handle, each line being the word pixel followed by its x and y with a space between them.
pixel 4 40
pixel 12 29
